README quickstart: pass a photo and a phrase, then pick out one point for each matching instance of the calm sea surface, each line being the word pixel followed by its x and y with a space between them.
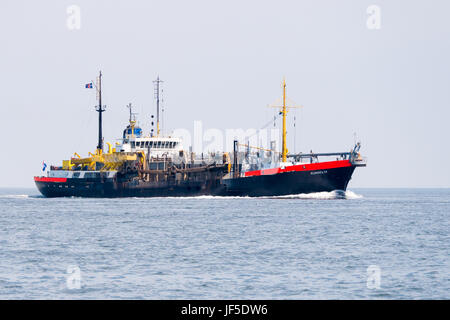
pixel 304 247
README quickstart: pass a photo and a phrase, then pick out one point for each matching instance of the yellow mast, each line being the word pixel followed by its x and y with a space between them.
pixel 132 123
pixel 284 111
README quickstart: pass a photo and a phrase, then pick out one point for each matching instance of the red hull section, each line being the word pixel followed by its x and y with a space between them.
pixel 47 179
pixel 301 167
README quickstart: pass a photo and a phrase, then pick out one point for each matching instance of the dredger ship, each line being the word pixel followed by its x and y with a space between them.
pixel 157 165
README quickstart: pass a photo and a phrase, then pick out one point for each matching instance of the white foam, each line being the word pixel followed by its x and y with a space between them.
pixel 196 197
pixel 14 196
pixel 351 195
pixel 331 195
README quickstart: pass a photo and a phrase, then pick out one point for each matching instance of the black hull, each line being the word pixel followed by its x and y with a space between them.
pixel 265 185
pixel 288 183
pixel 112 189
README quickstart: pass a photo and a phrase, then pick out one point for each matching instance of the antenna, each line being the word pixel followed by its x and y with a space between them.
pixel 132 118
pixel 132 114
pixel 163 107
pixel 355 137
pixel 100 109
pixel 295 134
pixel 129 107
pixel 157 97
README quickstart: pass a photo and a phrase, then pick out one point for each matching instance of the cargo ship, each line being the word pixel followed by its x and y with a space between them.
pixel 157 165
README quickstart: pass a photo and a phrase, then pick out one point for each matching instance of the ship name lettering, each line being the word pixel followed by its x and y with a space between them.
pixel 318 172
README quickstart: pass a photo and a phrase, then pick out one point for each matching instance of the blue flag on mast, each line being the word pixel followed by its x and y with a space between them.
pixel 88 85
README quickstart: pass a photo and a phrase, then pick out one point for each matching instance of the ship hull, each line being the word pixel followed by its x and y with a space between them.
pixel 110 188
pixel 285 183
pixel 288 183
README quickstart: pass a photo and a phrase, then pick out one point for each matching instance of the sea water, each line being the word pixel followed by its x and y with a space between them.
pixel 359 244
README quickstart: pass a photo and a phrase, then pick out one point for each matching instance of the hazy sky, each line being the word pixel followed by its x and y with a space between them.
pixel 222 63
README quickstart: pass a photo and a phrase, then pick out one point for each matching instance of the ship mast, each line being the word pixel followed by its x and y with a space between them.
pixel 132 119
pixel 284 112
pixel 157 82
pixel 129 107
pixel 100 109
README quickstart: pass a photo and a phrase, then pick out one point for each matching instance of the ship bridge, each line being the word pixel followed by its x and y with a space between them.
pixel 133 140
pixel 132 131
pixel 149 144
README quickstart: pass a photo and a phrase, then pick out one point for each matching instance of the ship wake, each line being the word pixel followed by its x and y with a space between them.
pixel 21 196
pixel 14 196
pixel 331 195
